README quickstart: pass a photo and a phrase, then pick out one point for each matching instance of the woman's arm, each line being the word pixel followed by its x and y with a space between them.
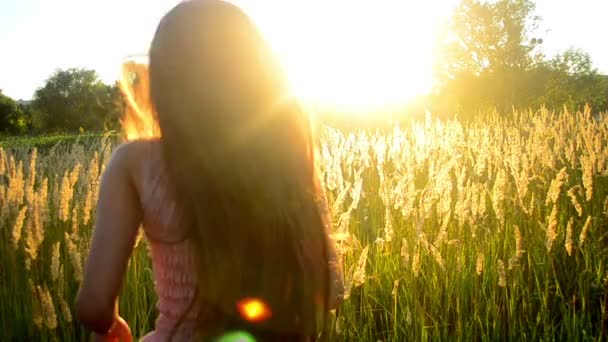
pixel 118 218
pixel 336 288
pixel 337 276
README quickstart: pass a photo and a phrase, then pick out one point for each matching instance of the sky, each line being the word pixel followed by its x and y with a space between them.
pixel 39 36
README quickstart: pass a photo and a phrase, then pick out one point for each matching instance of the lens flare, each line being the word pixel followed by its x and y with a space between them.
pixel 253 309
pixel 237 336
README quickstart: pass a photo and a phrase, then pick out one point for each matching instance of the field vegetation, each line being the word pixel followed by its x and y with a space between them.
pixel 490 229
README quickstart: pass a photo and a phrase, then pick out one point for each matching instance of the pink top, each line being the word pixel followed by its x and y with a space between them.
pixel 175 278
pixel 172 256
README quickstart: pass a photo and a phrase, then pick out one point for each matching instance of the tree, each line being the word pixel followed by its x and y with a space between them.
pixel 12 119
pixel 73 99
pixel 573 82
pixel 489 58
pixel 492 61
pixel 490 36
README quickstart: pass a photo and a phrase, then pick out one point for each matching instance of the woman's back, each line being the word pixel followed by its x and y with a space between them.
pixel 175 278
pixel 229 197
pixel 172 250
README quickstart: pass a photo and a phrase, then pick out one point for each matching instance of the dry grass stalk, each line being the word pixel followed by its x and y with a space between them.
pixel 416 262
pixel 568 242
pixel 405 255
pixel 359 275
pixel 583 237
pixel 55 263
pixel 36 301
pixel 573 194
pixel 479 263
pixel 551 231
pixel 502 276
pixel 556 186
pixel 588 163
pixel 18 227
pixel 48 309
pixel 75 259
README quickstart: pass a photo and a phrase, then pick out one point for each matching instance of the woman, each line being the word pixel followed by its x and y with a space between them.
pixel 228 196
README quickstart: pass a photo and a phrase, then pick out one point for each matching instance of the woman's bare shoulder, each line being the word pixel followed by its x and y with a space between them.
pixel 129 153
pixel 129 157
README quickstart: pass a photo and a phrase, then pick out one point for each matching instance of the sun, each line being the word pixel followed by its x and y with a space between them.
pixel 351 54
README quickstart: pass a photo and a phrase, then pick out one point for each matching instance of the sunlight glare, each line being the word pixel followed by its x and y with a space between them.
pixel 351 55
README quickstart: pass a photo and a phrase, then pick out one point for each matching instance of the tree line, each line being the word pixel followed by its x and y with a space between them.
pixel 489 57
pixel 72 100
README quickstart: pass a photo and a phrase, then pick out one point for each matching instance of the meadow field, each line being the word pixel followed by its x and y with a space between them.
pixel 494 229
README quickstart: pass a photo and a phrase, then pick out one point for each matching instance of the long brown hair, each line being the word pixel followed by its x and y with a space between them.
pixel 240 154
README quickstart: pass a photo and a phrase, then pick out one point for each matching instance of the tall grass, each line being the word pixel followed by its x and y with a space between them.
pixel 490 230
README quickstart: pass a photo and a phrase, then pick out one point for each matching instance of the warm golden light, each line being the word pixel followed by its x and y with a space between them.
pixel 138 121
pixel 253 309
pixel 352 55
